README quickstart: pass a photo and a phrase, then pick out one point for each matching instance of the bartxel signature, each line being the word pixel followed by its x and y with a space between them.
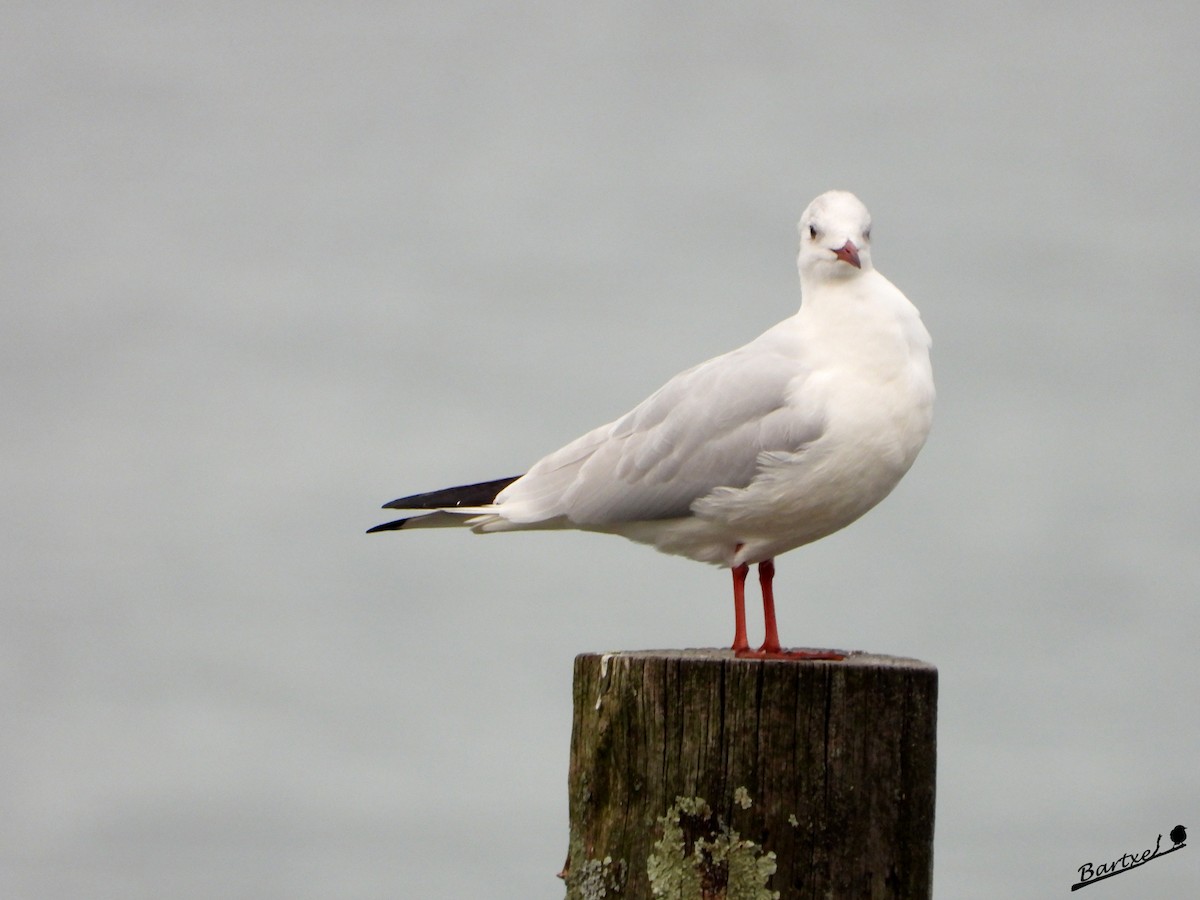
pixel 1090 874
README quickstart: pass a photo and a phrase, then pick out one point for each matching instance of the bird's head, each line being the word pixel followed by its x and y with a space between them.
pixel 835 237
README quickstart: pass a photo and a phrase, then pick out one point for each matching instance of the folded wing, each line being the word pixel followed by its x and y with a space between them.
pixel 706 428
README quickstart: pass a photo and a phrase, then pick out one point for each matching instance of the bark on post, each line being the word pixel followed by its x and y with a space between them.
pixel 696 775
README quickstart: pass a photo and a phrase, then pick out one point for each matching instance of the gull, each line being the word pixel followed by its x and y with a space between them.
pixel 763 449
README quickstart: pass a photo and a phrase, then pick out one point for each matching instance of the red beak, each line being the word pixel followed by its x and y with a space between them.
pixel 848 253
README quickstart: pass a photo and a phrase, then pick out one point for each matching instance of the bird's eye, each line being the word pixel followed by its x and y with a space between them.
pixel 867 235
pixel 812 232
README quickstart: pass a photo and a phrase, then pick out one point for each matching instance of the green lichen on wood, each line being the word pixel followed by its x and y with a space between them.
pixel 598 878
pixel 699 857
pixel 593 879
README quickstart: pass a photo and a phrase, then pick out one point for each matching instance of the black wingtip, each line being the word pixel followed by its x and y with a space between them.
pixel 465 495
pixel 388 526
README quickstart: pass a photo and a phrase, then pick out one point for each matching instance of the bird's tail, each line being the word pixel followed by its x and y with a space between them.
pixel 447 507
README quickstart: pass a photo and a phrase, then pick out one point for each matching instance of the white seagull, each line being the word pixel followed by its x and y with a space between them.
pixel 759 451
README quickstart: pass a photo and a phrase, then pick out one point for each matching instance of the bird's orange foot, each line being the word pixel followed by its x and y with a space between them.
pixel 781 653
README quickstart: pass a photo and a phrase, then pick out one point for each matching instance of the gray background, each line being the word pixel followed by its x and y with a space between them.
pixel 267 266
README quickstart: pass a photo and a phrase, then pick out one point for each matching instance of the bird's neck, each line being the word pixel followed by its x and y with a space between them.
pixel 863 318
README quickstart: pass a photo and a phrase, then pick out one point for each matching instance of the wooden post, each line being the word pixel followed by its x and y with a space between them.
pixel 698 776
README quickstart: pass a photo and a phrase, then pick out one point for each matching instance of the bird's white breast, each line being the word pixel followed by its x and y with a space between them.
pixel 871 381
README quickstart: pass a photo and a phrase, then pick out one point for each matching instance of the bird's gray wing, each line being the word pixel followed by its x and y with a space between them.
pixel 706 428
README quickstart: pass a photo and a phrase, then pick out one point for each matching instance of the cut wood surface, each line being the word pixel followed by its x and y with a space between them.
pixel 695 774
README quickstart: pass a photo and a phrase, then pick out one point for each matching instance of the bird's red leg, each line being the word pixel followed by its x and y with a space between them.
pixel 770 648
pixel 739 607
pixel 766 574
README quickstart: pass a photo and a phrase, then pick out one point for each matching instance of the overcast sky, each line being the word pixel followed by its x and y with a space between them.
pixel 267 266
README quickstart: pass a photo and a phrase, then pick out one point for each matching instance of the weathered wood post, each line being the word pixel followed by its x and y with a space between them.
pixel 698 776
